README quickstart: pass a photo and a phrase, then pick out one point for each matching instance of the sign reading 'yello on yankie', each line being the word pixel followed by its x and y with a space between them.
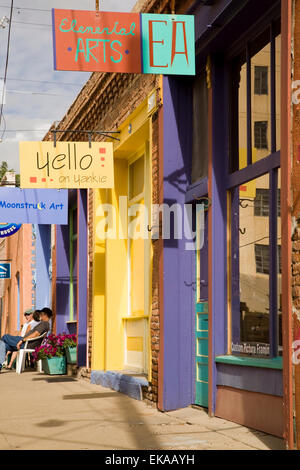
pixel 92 41
pixel 66 165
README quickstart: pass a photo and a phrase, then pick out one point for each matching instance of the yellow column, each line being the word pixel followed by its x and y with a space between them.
pixel 98 334
pixel 116 273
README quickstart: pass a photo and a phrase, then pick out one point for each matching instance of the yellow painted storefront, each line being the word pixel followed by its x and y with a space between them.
pixel 123 266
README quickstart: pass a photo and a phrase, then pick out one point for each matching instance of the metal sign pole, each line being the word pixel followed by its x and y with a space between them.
pixel 97 5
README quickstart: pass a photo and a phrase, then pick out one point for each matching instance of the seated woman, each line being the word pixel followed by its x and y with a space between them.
pixel 32 319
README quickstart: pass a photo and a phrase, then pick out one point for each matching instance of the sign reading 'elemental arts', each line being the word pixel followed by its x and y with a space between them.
pixel 34 206
pixel 66 165
pixel 123 42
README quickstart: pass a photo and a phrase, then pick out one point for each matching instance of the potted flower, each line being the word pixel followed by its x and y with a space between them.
pixel 69 343
pixel 52 357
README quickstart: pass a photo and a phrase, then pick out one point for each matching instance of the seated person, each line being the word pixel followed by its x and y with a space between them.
pixel 14 343
pixel 32 319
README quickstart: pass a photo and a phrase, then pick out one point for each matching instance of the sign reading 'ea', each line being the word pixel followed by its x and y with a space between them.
pixel 34 206
pixel 92 41
pixel 66 165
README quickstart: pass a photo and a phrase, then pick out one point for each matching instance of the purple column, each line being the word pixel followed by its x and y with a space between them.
pixel 179 264
pixel 82 278
pixel 219 218
pixel 62 277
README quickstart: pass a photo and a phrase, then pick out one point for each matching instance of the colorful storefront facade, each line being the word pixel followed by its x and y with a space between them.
pixel 224 310
pixel 209 325
pixel 106 289
pixel 71 273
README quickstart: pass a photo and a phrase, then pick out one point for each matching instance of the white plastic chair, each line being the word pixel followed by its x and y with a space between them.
pixel 20 361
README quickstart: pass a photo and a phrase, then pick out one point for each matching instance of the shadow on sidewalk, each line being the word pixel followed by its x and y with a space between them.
pixel 88 396
pixel 54 379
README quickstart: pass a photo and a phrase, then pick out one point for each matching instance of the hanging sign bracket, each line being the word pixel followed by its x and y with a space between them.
pixel 89 133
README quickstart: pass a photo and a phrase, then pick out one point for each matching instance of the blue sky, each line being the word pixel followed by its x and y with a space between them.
pixel 32 104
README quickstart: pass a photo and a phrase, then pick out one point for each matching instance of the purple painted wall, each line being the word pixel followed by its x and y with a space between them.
pixel 62 277
pixel 179 264
pixel 82 278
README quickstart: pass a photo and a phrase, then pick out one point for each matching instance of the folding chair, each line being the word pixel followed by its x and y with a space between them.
pixel 20 361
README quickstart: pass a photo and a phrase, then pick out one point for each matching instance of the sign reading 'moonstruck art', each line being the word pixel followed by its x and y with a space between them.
pixel 33 206
pixel 92 41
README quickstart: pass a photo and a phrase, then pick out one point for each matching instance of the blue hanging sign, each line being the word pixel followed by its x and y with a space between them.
pixel 32 206
pixel 5 271
pixel 6 230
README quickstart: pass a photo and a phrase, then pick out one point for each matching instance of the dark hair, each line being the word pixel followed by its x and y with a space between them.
pixel 36 315
pixel 47 311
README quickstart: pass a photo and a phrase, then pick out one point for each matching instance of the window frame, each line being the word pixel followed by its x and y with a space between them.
pixel 143 196
pixel 267 165
pixel 263 135
pixel 258 75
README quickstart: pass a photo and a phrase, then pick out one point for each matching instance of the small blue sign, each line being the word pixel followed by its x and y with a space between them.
pixel 33 206
pixel 6 230
pixel 5 271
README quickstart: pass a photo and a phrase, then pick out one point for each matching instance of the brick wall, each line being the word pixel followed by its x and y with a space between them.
pixel 90 275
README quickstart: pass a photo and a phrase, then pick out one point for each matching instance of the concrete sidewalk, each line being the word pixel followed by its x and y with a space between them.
pixel 60 412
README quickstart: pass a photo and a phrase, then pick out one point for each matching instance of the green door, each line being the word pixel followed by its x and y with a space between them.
pixel 201 327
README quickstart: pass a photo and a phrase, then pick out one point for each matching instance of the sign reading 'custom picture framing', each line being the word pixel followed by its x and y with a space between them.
pixel 92 41
pixel 66 165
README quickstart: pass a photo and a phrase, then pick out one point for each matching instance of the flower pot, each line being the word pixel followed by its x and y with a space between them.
pixel 71 354
pixel 55 366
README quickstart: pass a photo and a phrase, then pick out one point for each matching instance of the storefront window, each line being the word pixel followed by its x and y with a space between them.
pixel 255 241
pixel 255 101
pixel 256 268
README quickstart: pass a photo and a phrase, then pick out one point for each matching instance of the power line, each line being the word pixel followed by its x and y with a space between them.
pixel 42 81
pixel 27 130
pixel 4 121
pixel 7 56
pixel 35 24
pixel 259 240
pixel 24 8
pixel 24 92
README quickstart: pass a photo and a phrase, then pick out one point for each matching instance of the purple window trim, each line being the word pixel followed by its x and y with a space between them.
pixel 273 256
pixel 249 107
pixel 257 169
pixel 269 165
pixel 273 87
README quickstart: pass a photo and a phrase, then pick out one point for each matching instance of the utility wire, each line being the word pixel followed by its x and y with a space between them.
pixel 42 81
pixel 35 24
pixel 24 92
pixel 27 130
pixel 7 56
pixel 24 8
pixel 3 132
